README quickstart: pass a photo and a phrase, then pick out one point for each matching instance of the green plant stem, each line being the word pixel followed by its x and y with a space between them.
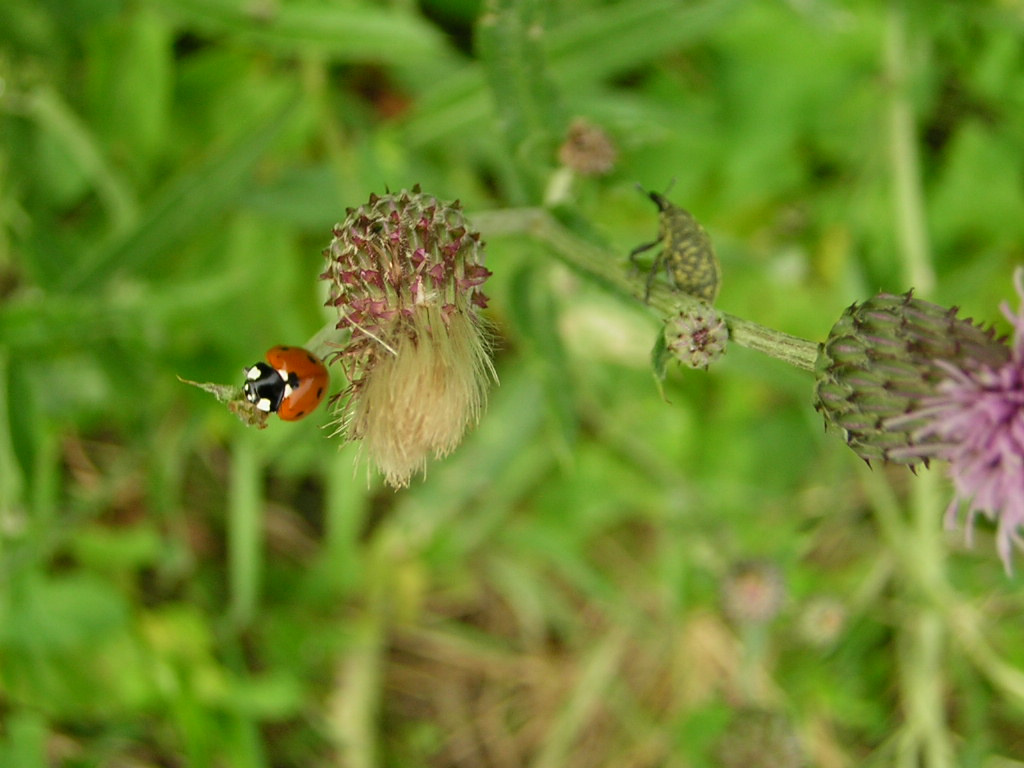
pixel 908 197
pixel 510 41
pixel 963 622
pixel 353 712
pixel 607 268
pixel 597 677
pixel 927 630
pixel 245 529
pixel 12 489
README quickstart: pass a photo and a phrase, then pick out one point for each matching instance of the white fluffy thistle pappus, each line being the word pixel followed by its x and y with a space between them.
pixel 405 273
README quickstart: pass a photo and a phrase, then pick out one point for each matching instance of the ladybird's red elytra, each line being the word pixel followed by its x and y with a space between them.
pixel 292 383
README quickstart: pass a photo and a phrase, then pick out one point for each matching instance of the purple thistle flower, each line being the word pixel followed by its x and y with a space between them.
pixel 908 382
pixel 975 421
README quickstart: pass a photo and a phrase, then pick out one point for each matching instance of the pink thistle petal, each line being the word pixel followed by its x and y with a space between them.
pixel 475 274
pixel 348 277
pixel 372 276
pixel 437 273
pixel 977 415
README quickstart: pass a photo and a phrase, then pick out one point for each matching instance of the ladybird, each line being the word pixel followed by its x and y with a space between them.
pixel 291 383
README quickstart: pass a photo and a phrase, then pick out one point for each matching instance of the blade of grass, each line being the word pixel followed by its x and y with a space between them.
pixel 188 203
pixel 54 115
pixel 45 327
pixel 354 706
pixel 536 314
pixel 627 35
pixel 509 42
pixel 598 674
pixel 905 163
pixel 341 32
pixel 345 508
pixel 245 528
pixel 12 480
pixel 27 737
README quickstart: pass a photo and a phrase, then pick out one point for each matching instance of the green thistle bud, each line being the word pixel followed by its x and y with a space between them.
pixel 882 359
pixel 696 337
pixel 405 272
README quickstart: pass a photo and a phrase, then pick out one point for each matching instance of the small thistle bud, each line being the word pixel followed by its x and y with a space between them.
pixel 587 150
pixel 696 337
pixel 882 359
pixel 405 273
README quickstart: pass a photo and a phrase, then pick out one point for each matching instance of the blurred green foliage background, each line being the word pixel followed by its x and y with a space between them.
pixel 598 576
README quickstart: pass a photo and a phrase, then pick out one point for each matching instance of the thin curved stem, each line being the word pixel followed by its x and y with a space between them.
pixel 605 267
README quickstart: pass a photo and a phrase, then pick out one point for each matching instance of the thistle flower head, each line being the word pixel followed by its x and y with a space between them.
pixel 405 273
pixel 975 420
pixel 908 382
pixel 882 359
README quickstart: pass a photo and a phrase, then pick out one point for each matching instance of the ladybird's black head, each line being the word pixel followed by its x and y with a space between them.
pixel 264 387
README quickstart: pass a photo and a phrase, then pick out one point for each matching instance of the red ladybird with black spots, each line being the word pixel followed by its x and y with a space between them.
pixel 292 383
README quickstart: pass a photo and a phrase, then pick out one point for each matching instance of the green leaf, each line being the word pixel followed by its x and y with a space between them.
pixel 626 35
pixel 60 615
pixel 629 34
pixel 340 32
pixel 26 427
pixel 186 204
pixel 26 738
pixel 537 318
pixel 118 549
pixel 129 83
pixel 514 62
pixel 659 361
pixel 68 148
